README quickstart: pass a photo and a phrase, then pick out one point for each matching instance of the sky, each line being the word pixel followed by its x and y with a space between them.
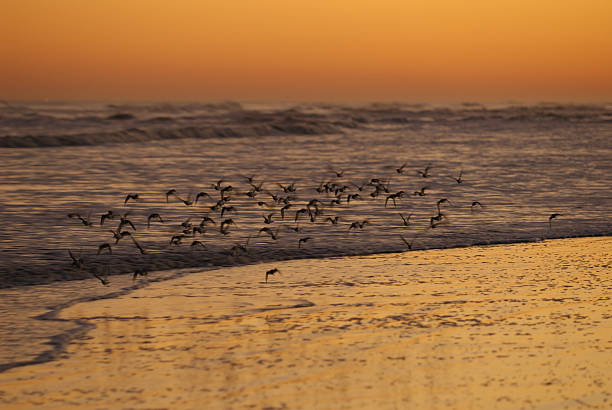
pixel 311 50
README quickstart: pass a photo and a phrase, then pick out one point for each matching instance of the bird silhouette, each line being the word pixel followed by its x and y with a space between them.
pixel 154 216
pixel 134 197
pixel 105 246
pixel 405 220
pixel 425 172
pixel 408 244
pixel 77 261
pixel 303 240
pixel 550 218
pixel 107 215
pixel 271 272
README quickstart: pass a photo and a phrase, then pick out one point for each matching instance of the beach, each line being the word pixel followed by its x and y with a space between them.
pixel 523 325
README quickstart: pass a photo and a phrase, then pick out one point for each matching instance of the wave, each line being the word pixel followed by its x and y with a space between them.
pixel 56 125
pixel 132 135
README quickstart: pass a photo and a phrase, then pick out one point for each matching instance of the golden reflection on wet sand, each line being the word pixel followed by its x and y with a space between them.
pixel 509 326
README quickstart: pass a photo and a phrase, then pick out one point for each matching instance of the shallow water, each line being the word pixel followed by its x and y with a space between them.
pixel 521 163
pixel 506 326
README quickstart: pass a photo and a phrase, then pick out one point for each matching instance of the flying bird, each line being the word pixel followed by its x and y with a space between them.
pixel 154 216
pixel 550 218
pixel 303 240
pixel 134 197
pixel 105 246
pixel 271 272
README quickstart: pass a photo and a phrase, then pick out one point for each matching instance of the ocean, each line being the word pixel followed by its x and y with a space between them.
pixel 517 165
pixel 521 163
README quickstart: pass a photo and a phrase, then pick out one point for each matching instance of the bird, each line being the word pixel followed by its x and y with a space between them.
pixel 353 197
pixel 84 221
pixel 139 272
pixel 154 216
pixel 271 272
pixel 401 169
pixel 77 261
pixel 408 244
pixel 425 172
pixel 206 220
pixel 187 202
pixel 301 211
pixel 338 174
pixel 333 221
pixel 289 188
pixel 186 224
pixel 256 188
pixel 217 186
pixel 550 218
pixel 196 243
pixel 227 209
pixel 406 220
pixel 105 246
pixel 107 215
pixel 124 221
pixel 358 224
pixel 140 248
pixel 268 219
pixel 170 192
pixel 200 195
pixel 273 235
pixel 102 280
pixel 440 202
pixel 224 227
pixel 176 239
pixel 459 178
pixel 283 209
pixel 303 240
pixel 421 192
pixel 476 204
pixel 120 235
pixel 134 197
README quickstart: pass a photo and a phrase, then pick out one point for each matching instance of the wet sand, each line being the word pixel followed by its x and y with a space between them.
pixel 505 326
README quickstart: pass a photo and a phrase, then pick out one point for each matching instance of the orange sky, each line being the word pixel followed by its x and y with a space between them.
pixel 410 50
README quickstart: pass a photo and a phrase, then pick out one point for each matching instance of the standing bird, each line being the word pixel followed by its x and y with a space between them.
pixel 271 272
pixel 550 218
pixel 476 204
pixel 134 197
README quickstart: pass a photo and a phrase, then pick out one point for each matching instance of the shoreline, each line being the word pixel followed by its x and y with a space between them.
pixel 217 277
pixel 246 260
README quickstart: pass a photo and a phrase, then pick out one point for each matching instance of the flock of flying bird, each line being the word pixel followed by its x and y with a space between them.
pixel 333 192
